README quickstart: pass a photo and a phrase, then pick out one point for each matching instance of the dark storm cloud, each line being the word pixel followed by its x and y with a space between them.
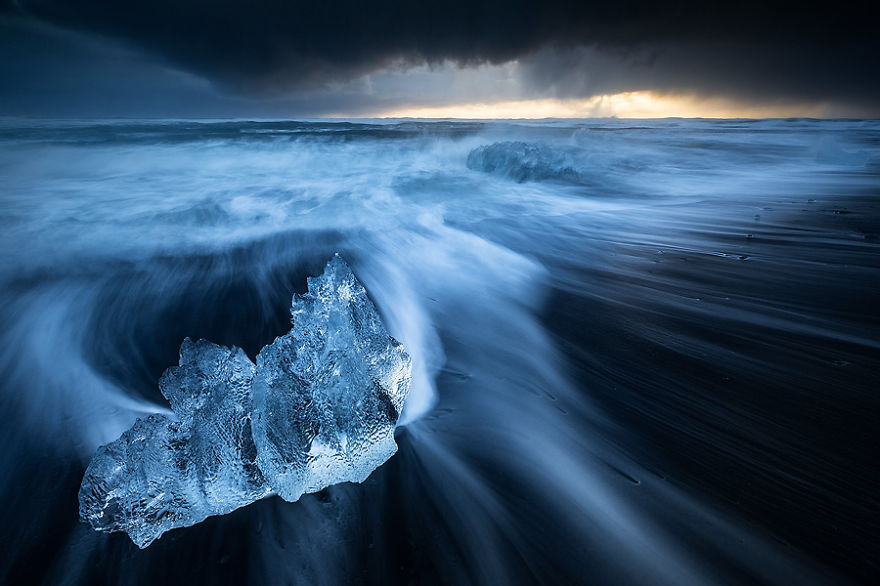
pixel 272 46
pixel 798 71
pixel 47 71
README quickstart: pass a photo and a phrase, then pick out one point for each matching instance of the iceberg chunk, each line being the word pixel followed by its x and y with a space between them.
pixel 328 394
pixel 165 473
pixel 524 161
pixel 319 408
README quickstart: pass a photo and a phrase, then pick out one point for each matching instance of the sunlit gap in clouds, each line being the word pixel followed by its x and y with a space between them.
pixel 634 104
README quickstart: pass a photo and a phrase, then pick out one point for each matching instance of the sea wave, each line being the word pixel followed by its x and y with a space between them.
pixel 641 352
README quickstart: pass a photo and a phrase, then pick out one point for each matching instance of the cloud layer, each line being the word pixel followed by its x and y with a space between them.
pixel 266 49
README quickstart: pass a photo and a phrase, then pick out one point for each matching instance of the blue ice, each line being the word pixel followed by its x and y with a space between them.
pixel 319 408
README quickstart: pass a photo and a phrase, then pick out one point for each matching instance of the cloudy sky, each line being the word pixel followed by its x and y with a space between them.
pixel 457 58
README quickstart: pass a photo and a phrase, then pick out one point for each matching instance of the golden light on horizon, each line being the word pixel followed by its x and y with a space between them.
pixel 638 104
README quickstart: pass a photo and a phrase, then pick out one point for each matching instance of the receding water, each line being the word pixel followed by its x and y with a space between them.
pixel 644 351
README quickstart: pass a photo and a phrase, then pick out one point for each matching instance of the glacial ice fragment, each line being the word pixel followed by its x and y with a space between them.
pixel 165 473
pixel 523 161
pixel 328 394
pixel 319 408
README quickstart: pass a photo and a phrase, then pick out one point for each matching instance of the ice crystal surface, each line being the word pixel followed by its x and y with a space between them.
pixel 168 472
pixel 327 395
pixel 318 409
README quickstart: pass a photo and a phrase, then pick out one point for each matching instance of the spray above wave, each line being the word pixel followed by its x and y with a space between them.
pixel 318 409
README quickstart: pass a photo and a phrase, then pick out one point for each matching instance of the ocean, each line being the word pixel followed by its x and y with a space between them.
pixel 644 351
